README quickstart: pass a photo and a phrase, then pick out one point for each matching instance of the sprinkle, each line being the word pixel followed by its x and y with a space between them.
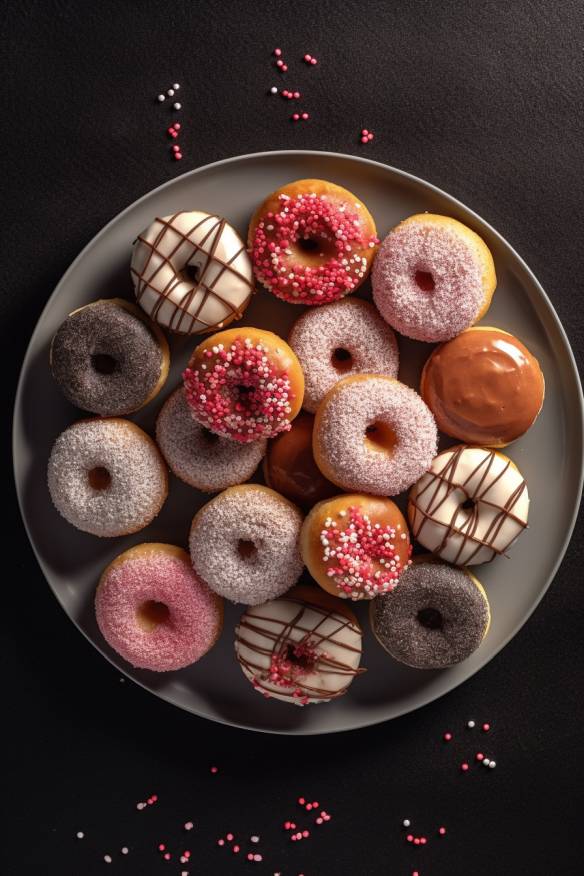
pixel 177 156
pixel 406 822
pixel 442 831
pixel 492 765
pixel 161 847
pixel 161 97
pixel 295 117
pixel 235 849
pixel 220 842
pixel 107 859
pixel 486 762
pixel 410 838
pixel 176 86
pixel 470 724
pixel 230 837
pixel 486 727
pixel 214 769
pixel 273 90
pixel 249 856
pixel 189 825
pixel 257 858
pixel 167 856
pixel 447 737
pixel 277 52
pixel 301 801
pixel 423 840
pixel 464 767
pixel 177 105
pixel 176 126
pixel 80 834
pixel 479 756
pixel 305 116
pixel 124 850
pixel 254 839
pixel 170 92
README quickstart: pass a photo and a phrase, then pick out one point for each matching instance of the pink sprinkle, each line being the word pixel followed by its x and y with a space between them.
pixel 178 156
pixel 441 831
pixel 284 68
pixel 176 126
pixel 249 856
pixel 319 820
pixel 277 52
pixel 313 61
pixel 415 873
pixel 214 770
pixel 302 801
pixel 305 833
pixel 187 853
pixel 279 64
pixel 176 148
pixel 410 838
pixel 305 116
pixel 464 767
pixel 364 140
pixel 235 849
pixel 308 807
pixel 479 755
pixel 296 95
pixel 220 842
pixel 189 825
pixel 447 737
pixel 423 840
pixel 230 837
pixel 364 132
pixel 486 727
pixel 295 117
pixel 308 58
pixel 161 847
pixel 167 856
pixel 257 858
pixel 417 841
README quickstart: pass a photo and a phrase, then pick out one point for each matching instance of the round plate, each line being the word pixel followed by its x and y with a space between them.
pixel 549 456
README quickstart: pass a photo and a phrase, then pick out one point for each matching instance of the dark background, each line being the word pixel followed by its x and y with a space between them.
pixel 484 99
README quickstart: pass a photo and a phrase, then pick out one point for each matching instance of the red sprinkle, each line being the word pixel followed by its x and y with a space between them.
pixel 447 737
pixel 230 836
pixel 161 847
pixel 479 755
pixel 277 52
pixel 486 727
pixel 214 769
pixel 235 849
pixel 441 831
pixel 410 838
pixel 464 767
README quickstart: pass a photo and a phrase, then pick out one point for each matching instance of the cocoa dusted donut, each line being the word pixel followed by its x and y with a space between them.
pixel 108 358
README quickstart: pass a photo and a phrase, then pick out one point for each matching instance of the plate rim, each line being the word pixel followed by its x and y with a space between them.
pixel 412 178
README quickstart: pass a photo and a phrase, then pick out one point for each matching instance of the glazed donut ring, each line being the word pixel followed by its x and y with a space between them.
pixel 373 434
pixel 244 544
pixel 470 506
pixel 339 340
pixel 107 477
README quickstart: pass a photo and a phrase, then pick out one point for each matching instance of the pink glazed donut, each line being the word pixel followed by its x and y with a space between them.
pixel 154 610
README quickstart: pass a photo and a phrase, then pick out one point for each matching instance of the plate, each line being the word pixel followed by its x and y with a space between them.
pixel 549 456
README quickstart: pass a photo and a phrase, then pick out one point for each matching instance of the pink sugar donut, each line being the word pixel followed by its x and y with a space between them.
pixel 433 277
pixel 197 456
pixel 373 434
pixel 155 611
pixel 338 340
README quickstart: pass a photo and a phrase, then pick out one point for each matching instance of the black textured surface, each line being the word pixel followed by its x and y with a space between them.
pixel 485 100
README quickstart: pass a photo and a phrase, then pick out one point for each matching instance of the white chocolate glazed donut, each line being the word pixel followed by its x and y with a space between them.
pixel 470 507
pixel 191 272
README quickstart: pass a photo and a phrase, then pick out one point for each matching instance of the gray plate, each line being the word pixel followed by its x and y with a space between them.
pixel 549 456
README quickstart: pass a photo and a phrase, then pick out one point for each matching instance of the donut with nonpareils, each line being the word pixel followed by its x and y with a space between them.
pixel 302 648
pixel 154 610
pixel 373 434
pixel 108 358
pixel 197 456
pixel 356 546
pixel 470 507
pixel 437 617
pixel 338 340
pixel 245 384
pixel 191 272
pixel 483 387
pixel 107 477
pixel 244 544
pixel 312 242
pixel 433 277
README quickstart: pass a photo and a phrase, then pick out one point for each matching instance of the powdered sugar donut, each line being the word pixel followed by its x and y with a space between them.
pixel 338 340
pixel 107 477
pixel 191 272
pixel 199 457
pixel 154 610
pixel 312 242
pixel 373 434
pixel 433 277
pixel 244 544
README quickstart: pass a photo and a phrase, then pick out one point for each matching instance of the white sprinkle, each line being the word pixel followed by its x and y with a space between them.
pixel 177 105
pixel 170 92
pixel 486 762
pixel 161 98
pixel 492 764
pixel 273 90
pixel 470 724
pixel 125 850
pixel 80 834
pixel 107 859
pixel 176 86
pixel 122 680
pixel 254 839
pixel 406 822
pixel 189 825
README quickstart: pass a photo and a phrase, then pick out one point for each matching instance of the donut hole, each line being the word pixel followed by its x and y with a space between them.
pixel 246 549
pixel 341 359
pixel 300 657
pixel 308 244
pixel 380 436
pixel 192 273
pixel 424 281
pixel 152 613
pixel 99 478
pixel 314 249
pixel 103 364
pixel 430 618
pixel 468 505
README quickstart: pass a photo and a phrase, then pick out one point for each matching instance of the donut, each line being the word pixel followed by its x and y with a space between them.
pixel 437 617
pixel 197 456
pixel 108 358
pixel 107 477
pixel 433 277
pixel 302 648
pixel 355 546
pixel 154 610
pixel 483 387
pixel 289 466
pixel 244 544
pixel 338 340
pixel 312 242
pixel 470 507
pixel 373 434
pixel 244 384
pixel 191 272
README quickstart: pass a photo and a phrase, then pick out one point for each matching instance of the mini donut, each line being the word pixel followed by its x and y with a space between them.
pixel 355 546
pixel 373 434
pixel 433 277
pixel 338 340
pixel 302 648
pixel 107 477
pixel 199 457
pixel 483 387
pixel 289 466
pixel 154 610
pixel 108 358
pixel 312 242
pixel 244 544
pixel 470 507
pixel 191 272
pixel 437 617
pixel 244 384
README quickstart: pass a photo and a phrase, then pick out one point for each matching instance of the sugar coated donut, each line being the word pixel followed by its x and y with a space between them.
pixel 108 358
pixel 483 387
pixel 302 648
pixel 373 434
pixel 355 546
pixel 470 507
pixel 154 610
pixel 438 616
pixel 191 272
pixel 197 456
pixel 340 339
pixel 107 477
pixel 289 466
pixel 245 384
pixel 244 544
pixel 433 277
pixel 312 242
